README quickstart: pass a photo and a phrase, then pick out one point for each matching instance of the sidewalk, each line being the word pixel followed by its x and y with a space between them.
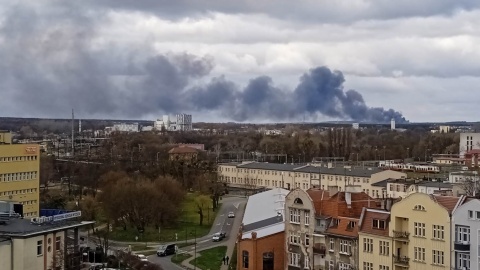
pixel 233 240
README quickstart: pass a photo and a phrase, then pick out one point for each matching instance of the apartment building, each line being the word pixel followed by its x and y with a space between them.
pixel 321 228
pixel 375 244
pixel 465 233
pixel 400 188
pixel 20 174
pixel 260 242
pixel 257 175
pixel 420 226
pixel 468 142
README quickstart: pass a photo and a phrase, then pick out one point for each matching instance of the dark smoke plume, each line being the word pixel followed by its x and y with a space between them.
pixel 47 70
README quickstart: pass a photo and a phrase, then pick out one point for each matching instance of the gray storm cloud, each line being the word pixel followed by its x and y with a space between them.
pixel 50 64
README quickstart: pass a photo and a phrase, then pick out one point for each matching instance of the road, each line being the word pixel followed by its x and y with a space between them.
pixel 222 223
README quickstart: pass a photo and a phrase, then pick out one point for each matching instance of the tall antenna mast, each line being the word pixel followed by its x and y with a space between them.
pixel 73 134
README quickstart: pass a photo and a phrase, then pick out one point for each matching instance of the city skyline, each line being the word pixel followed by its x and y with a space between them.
pixel 243 62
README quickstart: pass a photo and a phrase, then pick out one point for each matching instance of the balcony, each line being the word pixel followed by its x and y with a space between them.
pixel 401 260
pixel 462 246
pixel 319 249
pixel 401 235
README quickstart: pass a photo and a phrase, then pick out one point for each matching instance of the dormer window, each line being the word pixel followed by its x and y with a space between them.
pixel 419 207
pixel 298 201
pixel 334 222
pixel 378 224
pixel 351 224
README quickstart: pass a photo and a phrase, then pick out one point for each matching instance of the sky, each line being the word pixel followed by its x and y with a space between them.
pixel 243 61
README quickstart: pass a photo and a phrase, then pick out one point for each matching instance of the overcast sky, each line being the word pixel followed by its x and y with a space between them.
pixel 250 60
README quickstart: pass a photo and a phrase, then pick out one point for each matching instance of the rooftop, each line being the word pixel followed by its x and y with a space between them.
pixel 449 202
pixel 367 225
pixel 183 150
pixel 18 227
pixel 263 210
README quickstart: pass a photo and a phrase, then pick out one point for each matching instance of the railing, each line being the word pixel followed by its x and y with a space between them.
pixel 402 260
pixel 319 249
pixel 401 234
pixel 462 246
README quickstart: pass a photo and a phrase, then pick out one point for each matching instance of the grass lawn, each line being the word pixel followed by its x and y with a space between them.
pixel 179 258
pixel 210 259
pixel 187 227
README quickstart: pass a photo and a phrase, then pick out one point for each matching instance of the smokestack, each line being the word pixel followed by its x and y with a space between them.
pixel 80 126
pixel 392 124
pixel 73 134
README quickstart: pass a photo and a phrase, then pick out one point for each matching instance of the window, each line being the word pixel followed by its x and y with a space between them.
pixel 462 234
pixel 294 238
pixel 477 214
pixel 307 218
pixel 307 240
pixel 332 244
pixel 379 224
pixel 58 241
pixel 345 247
pixel 419 254
pixel 438 232
pixel 384 248
pixel 367 245
pixel 367 266
pixel 39 248
pixel 384 267
pixel 294 215
pixel 343 266
pixel 463 260
pixel 438 257
pixel 470 214
pixel 419 207
pixel 331 265
pixel 293 259
pixel 307 262
pixel 245 259
pixel 419 229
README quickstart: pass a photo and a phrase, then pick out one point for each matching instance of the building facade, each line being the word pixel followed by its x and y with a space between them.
pixel 255 175
pixel 468 142
pixel 126 127
pixel 375 244
pixel 20 174
pixel 179 122
pixel 465 233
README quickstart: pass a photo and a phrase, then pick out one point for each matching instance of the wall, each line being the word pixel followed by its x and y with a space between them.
pixel 464 145
pixel 21 190
pixel 460 217
pixel 256 247
pixel 374 257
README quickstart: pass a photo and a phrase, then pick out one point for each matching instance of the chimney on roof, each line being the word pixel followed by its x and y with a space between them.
pixel 329 165
pixel 348 199
pixel 254 235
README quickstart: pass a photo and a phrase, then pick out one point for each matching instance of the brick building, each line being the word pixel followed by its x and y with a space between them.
pixel 261 237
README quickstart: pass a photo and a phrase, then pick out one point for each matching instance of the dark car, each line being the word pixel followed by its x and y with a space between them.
pixel 218 236
pixel 165 250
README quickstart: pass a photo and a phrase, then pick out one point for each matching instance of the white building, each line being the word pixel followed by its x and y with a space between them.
pixel 40 243
pixel 462 176
pixel 468 141
pixel 466 235
pixel 355 125
pixel 125 127
pixel 179 122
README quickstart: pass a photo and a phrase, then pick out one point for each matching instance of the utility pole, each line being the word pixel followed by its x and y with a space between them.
pixel 73 134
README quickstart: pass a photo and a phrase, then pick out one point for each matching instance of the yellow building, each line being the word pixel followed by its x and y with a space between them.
pixel 20 174
pixel 375 244
pixel 420 226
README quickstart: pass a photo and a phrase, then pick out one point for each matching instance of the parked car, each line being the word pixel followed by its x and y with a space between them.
pixel 142 257
pixel 218 236
pixel 165 250
pixel 231 215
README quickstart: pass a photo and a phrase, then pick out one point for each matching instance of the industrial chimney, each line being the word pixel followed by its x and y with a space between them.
pixel 392 124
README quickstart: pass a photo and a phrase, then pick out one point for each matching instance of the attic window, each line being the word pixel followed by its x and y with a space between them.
pixel 298 201
pixel 334 222
pixel 419 207
pixel 378 224
pixel 352 224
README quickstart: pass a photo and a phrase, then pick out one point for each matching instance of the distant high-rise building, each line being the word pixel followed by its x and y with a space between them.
pixel 468 142
pixel 179 122
pixel 392 124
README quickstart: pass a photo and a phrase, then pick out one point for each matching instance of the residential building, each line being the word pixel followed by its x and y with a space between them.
pixel 183 152
pixel 40 243
pixel 420 226
pixel 321 227
pixel 126 127
pixel 375 244
pixel 471 158
pixel 179 122
pixel 462 176
pixel 20 174
pixel 444 129
pixel 400 188
pixel 260 242
pixel 257 175
pixel 468 141
pixel 465 233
